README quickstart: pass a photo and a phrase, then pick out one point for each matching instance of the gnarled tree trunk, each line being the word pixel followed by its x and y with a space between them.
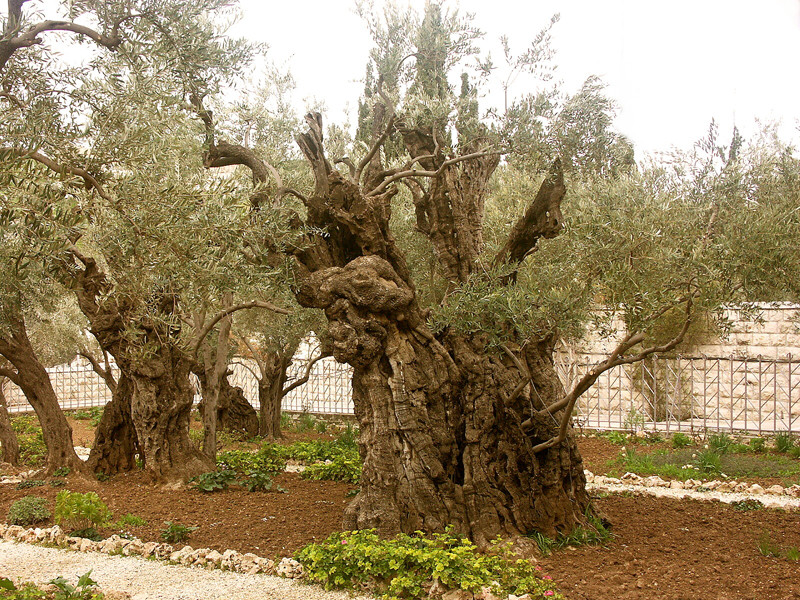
pixel 234 412
pixel 449 426
pixel 160 392
pixel 115 441
pixel 441 442
pixel 161 406
pixel 8 437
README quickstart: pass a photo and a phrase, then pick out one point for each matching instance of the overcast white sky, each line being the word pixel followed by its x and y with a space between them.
pixel 671 65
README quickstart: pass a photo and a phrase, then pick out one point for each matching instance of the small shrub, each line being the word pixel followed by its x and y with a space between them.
pixel 129 520
pixel 270 458
pixel 81 511
pixel 784 442
pixel 795 452
pixel 720 442
pixel 61 472
pixel 85 589
pixel 792 553
pixel 32 450
pixel 175 532
pixel 30 483
pixel 758 444
pixel 305 423
pixel 617 437
pixel 259 481
pixel 401 566
pixel 213 481
pixel 102 476
pixel 93 414
pixel 28 511
pixel 681 440
pixel 321 426
pixel 747 505
pixel 58 482
pixel 341 468
pixel 709 461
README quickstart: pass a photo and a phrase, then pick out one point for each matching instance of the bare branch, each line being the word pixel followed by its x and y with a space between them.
pixel 261 364
pixel 615 359
pixel 232 309
pixel 382 138
pixel 89 180
pixel 421 173
pixel 542 219
pixel 306 375
pixel 105 374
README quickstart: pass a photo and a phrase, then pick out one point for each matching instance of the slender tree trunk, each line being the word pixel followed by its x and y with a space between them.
pixel 270 395
pixel 115 442
pixel 8 437
pixel 35 384
pixel 161 405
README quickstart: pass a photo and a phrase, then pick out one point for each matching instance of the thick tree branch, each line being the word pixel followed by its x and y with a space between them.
pixel 542 219
pixel 30 37
pixel 89 180
pixel 10 374
pixel 224 154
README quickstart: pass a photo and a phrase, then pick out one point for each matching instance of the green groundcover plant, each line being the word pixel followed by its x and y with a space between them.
pixel 406 565
pixel 79 512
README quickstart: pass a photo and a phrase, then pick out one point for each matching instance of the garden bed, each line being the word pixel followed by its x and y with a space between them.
pixel 662 548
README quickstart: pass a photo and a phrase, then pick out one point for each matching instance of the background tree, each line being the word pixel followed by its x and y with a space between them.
pixel 117 138
pixel 269 343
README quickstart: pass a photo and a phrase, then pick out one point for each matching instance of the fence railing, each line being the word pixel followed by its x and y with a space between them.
pixel 684 393
pixel 680 393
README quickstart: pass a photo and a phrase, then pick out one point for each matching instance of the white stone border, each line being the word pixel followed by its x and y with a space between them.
pixel 775 496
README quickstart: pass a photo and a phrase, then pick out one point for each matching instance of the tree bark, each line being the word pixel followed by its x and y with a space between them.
pixel 270 394
pixel 441 443
pixel 161 394
pixel 35 384
pixel 161 406
pixel 115 441
pixel 234 412
pixel 8 437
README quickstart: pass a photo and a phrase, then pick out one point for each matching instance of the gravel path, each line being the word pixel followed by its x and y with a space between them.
pixel 151 580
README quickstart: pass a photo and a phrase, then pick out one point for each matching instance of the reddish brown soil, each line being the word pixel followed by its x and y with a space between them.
pixel 679 549
pixel 267 523
pixel 662 549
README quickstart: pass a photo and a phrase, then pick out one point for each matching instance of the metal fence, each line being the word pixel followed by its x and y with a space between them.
pixel 687 393
pixel 682 393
